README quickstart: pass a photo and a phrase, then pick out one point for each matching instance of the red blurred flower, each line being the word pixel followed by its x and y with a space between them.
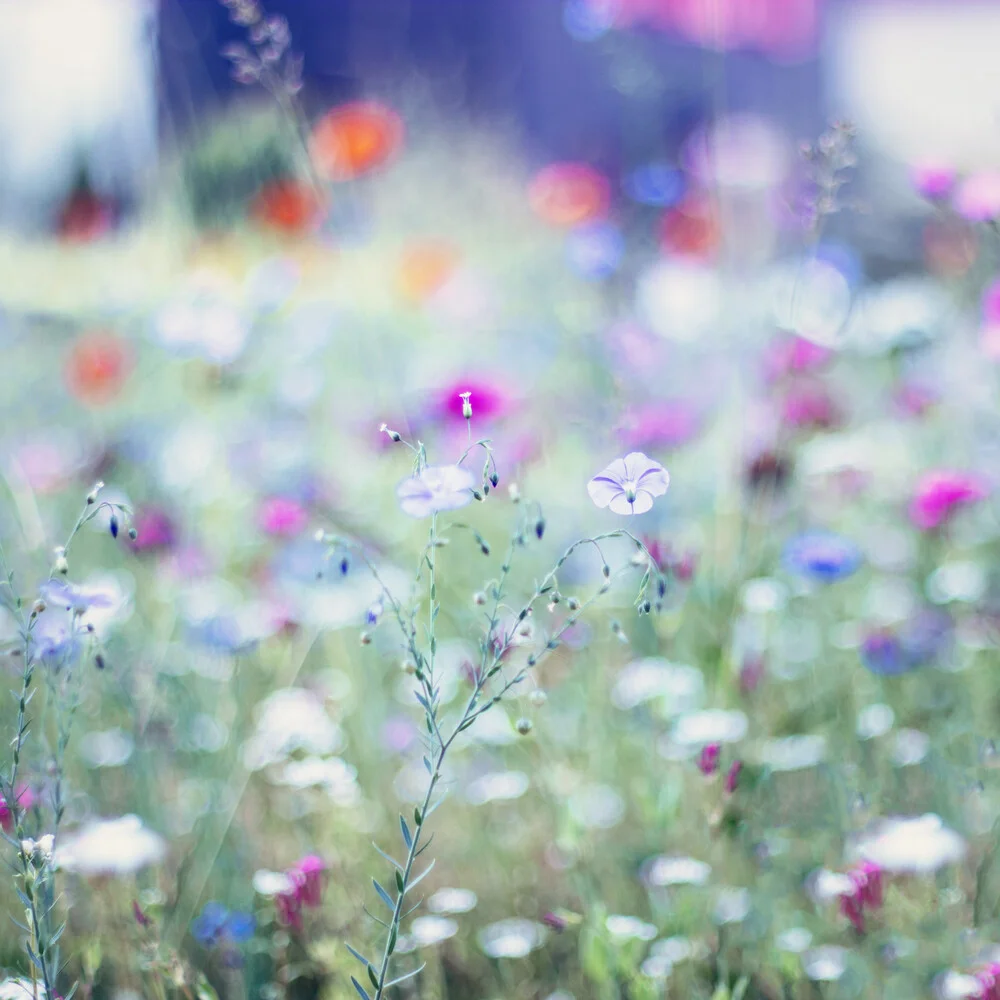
pixel 97 367
pixel 287 206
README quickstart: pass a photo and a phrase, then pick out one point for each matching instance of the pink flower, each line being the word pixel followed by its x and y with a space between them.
pixel 751 673
pixel 865 894
pixel 977 198
pixel 708 759
pixel 25 800
pixel 809 407
pixel 933 180
pixel 154 530
pixel 940 493
pixel 915 400
pixel 794 354
pixel 733 777
pixel 289 909
pixel 989 981
pixel 487 398
pixel 783 28
pixel 989 332
pixel 659 425
pixel 282 516
pixel 308 877
pixel 306 891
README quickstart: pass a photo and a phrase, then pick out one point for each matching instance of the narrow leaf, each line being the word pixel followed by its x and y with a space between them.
pixel 373 975
pixel 386 898
pixel 377 920
pixel 362 992
pixel 357 954
pixel 400 884
pixel 388 857
pixel 420 877
pixel 407 975
pixel 406 832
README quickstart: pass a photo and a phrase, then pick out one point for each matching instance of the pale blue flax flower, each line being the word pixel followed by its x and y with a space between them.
pixel 628 485
pixel 436 488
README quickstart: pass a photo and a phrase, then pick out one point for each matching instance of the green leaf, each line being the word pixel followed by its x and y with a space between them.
pixel 407 975
pixel 420 877
pixel 357 954
pixel 362 992
pixel 373 975
pixel 400 884
pixel 388 857
pixel 385 897
pixel 406 832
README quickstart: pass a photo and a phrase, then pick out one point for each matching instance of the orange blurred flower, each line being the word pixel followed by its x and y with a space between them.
pixel 97 367
pixel 355 138
pixel 568 194
pixel 424 268
pixel 287 206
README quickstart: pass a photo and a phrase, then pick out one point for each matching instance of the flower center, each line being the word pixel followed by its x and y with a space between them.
pixel 629 488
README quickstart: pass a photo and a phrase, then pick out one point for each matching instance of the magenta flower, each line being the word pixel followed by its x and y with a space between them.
pixel 809 407
pixel 628 485
pixel 488 400
pixel 865 894
pixel 436 488
pixel 154 530
pixel 933 180
pixel 306 890
pixel 733 777
pixel 282 516
pixel 25 800
pixel 940 493
pixel 708 759
pixel 792 355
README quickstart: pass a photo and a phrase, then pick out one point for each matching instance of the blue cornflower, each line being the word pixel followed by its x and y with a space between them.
pixel 883 654
pixel 822 556
pixel 216 925
pixel 656 184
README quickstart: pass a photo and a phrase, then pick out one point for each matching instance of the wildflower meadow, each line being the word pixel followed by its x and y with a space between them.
pixel 433 569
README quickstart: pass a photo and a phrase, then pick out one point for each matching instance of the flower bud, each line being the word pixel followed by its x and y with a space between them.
pixel 524 726
pixel 573 604
pixel 365 639
pixel 514 492
pixel 466 405
pixel 132 534
pixel 479 598
pixel 92 495
pixel 60 565
pixel 113 525
pixel 538 697
pixel 494 479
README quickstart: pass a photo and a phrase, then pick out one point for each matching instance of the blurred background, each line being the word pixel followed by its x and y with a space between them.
pixel 94 90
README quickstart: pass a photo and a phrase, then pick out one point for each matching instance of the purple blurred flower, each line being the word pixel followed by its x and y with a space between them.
pixel 822 555
pixel 73 597
pixel 628 485
pixel 436 488
pixel 216 924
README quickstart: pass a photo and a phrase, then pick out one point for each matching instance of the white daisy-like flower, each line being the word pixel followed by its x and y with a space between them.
pixel 664 870
pixel 111 847
pixel 915 845
pixel 513 938
pixel 627 928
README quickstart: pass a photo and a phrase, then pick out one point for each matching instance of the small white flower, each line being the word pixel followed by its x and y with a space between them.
pixel 825 964
pixel 111 847
pixel 452 901
pixel 268 883
pixel 512 938
pixel 914 845
pixel 626 928
pixel 429 930
pixel 663 870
